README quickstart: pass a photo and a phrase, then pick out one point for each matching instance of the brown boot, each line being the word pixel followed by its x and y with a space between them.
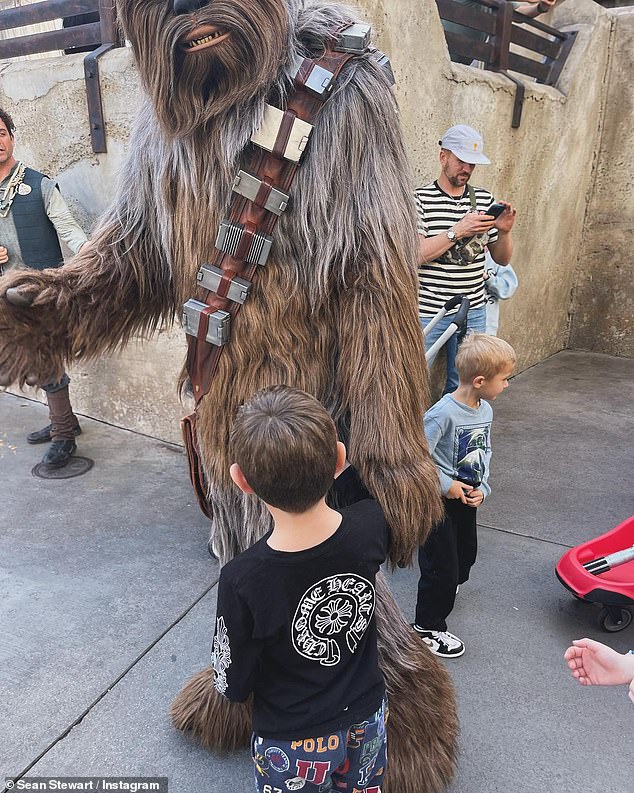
pixel 63 424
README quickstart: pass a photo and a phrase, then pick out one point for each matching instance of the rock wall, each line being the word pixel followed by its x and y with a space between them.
pixel 603 299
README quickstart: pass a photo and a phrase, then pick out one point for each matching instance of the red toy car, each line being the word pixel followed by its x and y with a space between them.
pixel 610 585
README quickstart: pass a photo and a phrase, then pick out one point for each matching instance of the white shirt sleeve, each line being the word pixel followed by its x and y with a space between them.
pixel 60 216
pixel 421 223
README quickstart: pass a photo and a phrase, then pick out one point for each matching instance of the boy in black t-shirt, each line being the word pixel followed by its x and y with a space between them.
pixel 295 620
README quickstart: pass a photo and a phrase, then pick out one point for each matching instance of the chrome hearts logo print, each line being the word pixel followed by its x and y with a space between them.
pixel 221 656
pixel 333 613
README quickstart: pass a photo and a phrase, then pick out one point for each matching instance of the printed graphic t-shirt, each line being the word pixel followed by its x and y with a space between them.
pixel 298 630
pixel 459 440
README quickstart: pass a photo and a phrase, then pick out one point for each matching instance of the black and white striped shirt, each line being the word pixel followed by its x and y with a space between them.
pixel 439 281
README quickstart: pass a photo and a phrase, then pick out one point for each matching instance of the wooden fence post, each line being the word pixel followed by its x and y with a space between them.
pixel 504 21
pixel 109 39
pixel 107 22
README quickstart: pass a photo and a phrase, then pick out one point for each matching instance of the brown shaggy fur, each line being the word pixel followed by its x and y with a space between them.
pixel 333 312
pixel 201 711
pixel 423 723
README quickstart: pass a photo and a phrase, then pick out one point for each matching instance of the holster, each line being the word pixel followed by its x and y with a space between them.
pixel 196 473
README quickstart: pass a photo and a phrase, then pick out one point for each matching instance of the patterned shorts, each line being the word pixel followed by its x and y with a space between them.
pixel 348 761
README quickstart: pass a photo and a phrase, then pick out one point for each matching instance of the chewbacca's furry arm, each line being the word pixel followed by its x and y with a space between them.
pixel 117 285
pixel 382 376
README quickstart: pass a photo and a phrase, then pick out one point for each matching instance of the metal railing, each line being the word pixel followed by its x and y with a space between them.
pixel 487 30
pixel 99 36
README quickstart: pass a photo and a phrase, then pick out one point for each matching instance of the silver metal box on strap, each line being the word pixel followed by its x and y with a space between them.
pixel 354 39
pixel 384 63
pixel 249 186
pixel 319 80
pixel 209 277
pixel 219 322
pixel 229 239
pixel 266 136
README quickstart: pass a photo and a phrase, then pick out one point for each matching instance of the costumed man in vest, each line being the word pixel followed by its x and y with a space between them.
pixel 32 215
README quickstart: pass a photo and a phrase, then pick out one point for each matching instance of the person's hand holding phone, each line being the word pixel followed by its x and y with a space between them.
pixel 506 217
pixel 495 210
pixel 473 223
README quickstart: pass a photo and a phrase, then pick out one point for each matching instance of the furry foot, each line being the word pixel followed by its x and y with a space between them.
pixel 423 723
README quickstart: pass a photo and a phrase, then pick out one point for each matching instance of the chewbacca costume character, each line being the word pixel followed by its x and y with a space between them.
pixel 332 312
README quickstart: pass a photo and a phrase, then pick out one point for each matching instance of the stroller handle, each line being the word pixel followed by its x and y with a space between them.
pixel 462 312
pixel 456 321
pixel 456 300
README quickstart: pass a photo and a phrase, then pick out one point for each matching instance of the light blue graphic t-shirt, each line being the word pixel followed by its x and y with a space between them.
pixel 459 439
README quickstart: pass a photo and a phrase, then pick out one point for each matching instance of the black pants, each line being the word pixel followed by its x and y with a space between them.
pixel 445 561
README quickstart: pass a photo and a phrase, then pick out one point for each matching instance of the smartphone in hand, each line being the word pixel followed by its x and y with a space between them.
pixel 495 210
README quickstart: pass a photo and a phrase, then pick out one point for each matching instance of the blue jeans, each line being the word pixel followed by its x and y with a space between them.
pixel 476 321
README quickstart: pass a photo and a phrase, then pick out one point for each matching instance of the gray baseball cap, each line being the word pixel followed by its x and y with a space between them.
pixel 466 144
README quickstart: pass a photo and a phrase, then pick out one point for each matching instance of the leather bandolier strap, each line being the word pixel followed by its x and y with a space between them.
pixel 267 177
pixel 260 195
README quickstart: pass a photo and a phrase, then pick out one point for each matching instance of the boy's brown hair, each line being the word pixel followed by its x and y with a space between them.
pixel 481 354
pixel 285 443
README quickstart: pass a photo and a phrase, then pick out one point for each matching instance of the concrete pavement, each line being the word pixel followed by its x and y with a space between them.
pixel 107 599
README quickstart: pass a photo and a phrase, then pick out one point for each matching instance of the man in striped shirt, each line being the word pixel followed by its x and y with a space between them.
pixel 451 212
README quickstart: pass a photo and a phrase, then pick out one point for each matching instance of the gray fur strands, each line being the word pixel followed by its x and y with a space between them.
pixel 184 93
pixel 333 312
pixel 345 315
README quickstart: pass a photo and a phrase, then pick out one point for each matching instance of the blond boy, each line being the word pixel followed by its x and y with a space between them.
pixel 458 430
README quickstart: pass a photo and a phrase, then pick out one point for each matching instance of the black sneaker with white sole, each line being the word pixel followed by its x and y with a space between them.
pixel 441 643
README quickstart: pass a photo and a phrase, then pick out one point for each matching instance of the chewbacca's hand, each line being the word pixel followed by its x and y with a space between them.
pixel 32 329
pixel 20 297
